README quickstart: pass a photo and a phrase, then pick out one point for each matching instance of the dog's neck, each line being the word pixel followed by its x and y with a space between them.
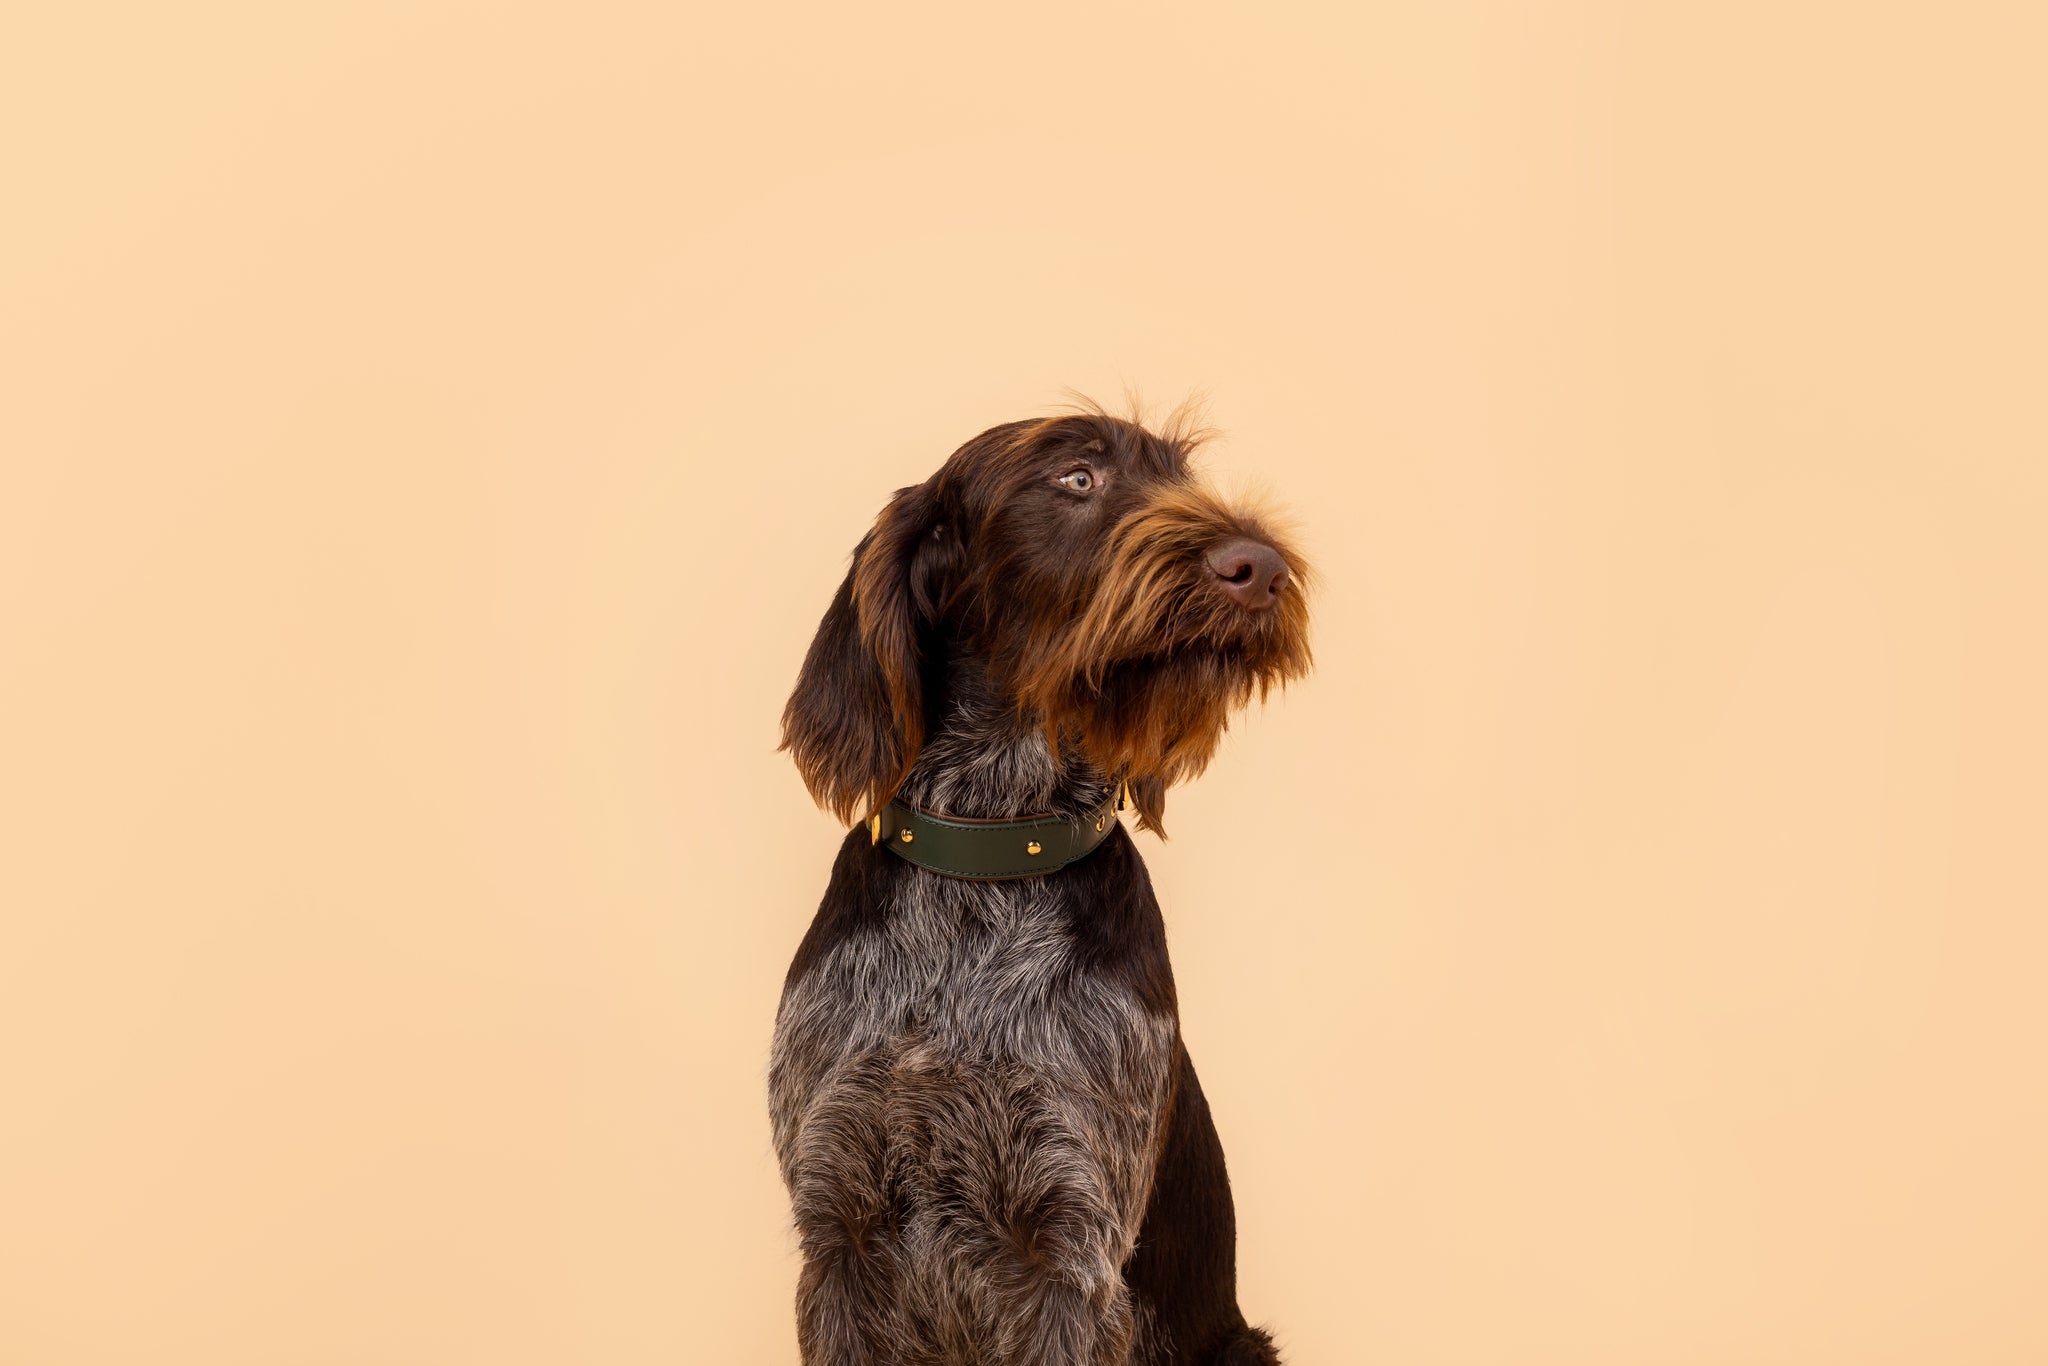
pixel 983 760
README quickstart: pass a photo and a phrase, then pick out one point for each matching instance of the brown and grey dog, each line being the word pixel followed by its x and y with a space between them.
pixel 992 1135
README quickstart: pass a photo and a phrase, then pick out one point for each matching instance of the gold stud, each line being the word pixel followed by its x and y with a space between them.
pixel 1031 848
pixel 875 828
pixel 1099 823
pixel 905 836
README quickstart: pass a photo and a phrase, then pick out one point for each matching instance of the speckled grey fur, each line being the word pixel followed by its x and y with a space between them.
pixel 967 1119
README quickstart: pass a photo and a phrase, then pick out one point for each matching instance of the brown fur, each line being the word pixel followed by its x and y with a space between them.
pixel 996 1148
pixel 1113 641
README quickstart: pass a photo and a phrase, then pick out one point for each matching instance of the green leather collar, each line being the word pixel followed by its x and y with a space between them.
pixel 1028 847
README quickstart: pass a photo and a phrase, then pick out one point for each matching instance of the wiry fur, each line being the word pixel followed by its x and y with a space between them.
pixel 993 1138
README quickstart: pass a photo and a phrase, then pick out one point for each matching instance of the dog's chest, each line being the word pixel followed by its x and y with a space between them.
pixel 960 1044
pixel 959 971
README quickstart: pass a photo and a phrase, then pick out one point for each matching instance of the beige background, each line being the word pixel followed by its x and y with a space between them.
pixel 432 431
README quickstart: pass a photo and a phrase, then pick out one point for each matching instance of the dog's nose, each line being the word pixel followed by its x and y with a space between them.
pixel 1250 571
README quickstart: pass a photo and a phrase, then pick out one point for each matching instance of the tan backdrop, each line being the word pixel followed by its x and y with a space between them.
pixel 432 431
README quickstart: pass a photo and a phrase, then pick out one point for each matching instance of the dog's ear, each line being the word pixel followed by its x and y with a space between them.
pixel 856 719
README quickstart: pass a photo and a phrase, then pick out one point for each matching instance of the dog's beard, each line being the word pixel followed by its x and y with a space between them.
pixel 1157 718
pixel 1144 677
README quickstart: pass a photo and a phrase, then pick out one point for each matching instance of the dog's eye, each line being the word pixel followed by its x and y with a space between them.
pixel 1079 481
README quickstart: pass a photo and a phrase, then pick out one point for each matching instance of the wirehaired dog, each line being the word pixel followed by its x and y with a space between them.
pixel 992 1135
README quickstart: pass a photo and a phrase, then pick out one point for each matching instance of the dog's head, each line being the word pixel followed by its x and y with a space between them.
pixel 1117 601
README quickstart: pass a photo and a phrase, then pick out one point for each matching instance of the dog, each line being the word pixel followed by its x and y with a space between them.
pixel 993 1139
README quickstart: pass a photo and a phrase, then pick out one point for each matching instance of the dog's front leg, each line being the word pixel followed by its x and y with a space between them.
pixel 1045 1280
pixel 1041 1318
pixel 847 1303
pixel 850 1305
